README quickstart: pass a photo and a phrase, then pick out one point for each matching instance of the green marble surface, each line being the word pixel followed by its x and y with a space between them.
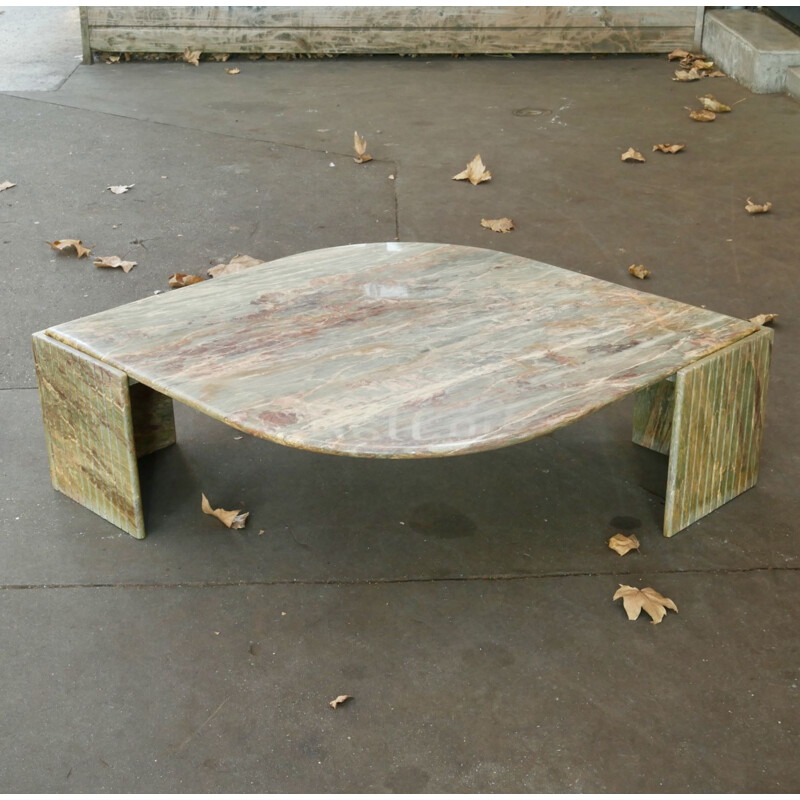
pixel 401 349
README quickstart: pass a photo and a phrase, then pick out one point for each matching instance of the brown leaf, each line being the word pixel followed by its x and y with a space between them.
pixel 122 189
pixel 339 700
pixel 716 74
pixel 109 59
pixel 684 75
pixel 233 71
pixel 503 225
pixel 113 262
pixel 710 104
pixel 699 63
pixel 632 155
pixel 669 148
pixel 360 146
pixel 6 185
pixel 755 208
pixel 634 600
pixel 191 56
pixel 622 544
pixel 62 245
pixel 638 271
pixel 219 56
pixel 678 54
pixel 238 264
pixel 763 319
pixel 231 519
pixel 475 172
pixel 179 279
pixel 703 115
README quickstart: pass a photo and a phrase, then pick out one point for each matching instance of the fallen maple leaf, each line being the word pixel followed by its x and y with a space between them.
pixel 684 75
pixel 638 271
pixel 632 155
pixel 634 600
pixel 122 189
pixel 231 519
pixel 710 104
pixel 703 115
pixel 63 245
pixel 503 225
pixel 179 279
pixel 622 544
pixel 669 148
pixel 755 208
pixel 475 172
pixel 360 146
pixel 678 54
pixel 238 264
pixel 191 56
pixel 762 319
pixel 113 262
pixel 6 185
pixel 233 71
pixel 339 700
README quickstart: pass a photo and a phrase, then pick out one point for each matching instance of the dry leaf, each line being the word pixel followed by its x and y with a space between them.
pixel 503 225
pixel 699 63
pixel 678 54
pixel 755 208
pixel 716 74
pixel 669 148
pixel 638 271
pixel 115 261
pixel 191 56
pixel 231 519
pixel 238 264
pixel 233 71
pixel 710 104
pixel 179 279
pixel 684 75
pixel 64 244
pixel 6 185
pixel 122 189
pixel 622 544
pixel 632 155
pixel 650 600
pixel 339 700
pixel 109 59
pixel 219 56
pixel 475 172
pixel 763 319
pixel 360 146
pixel 702 115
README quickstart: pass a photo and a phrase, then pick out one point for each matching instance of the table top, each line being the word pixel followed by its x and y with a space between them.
pixel 401 349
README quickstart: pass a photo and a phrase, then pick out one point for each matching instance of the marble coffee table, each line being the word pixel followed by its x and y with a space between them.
pixel 402 350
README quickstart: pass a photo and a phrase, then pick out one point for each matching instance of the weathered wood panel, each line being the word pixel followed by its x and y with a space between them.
pixel 716 429
pixel 89 431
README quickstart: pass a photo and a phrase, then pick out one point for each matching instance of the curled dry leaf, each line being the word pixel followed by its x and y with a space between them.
pixel 113 262
pixel 755 208
pixel 632 155
pixel 233 71
pixel 622 544
pixel 503 225
pixel 121 189
pixel 109 59
pixel 703 115
pixel 6 185
pixel 62 245
pixel 710 104
pixel 634 600
pixel 475 172
pixel 191 56
pixel 716 74
pixel 678 54
pixel 179 279
pixel 360 146
pixel 638 271
pixel 669 148
pixel 699 63
pixel 687 75
pixel 238 264
pixel 763 319
pixel 231 519
pixel 339 700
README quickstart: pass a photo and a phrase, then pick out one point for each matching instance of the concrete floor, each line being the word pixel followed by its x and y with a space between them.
pixel 465 603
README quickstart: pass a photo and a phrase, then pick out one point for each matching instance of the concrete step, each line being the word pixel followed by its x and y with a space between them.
pixel 793 81
pixel 752 48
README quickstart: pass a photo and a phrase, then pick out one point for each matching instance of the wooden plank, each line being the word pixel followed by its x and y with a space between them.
pixel 717 429
pixel 370 40
pixel 89 431
pixel 652 416
pixel 153 419
pixel 393 17
pixel 85 46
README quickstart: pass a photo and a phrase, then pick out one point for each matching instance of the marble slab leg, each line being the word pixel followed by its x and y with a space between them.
pixel 153 419
pixel 717 425
pixel 88 422
pixel 652 415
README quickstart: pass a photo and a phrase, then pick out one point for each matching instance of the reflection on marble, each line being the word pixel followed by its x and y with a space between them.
pixel 401 349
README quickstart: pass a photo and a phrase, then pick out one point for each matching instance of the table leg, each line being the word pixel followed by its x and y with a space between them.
pixel 714 423
pixel 88 422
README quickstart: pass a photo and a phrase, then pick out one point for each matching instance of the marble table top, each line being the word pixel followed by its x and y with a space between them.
pixel 401 349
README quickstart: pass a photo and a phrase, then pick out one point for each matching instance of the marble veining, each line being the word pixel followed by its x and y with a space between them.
pixel 401 349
